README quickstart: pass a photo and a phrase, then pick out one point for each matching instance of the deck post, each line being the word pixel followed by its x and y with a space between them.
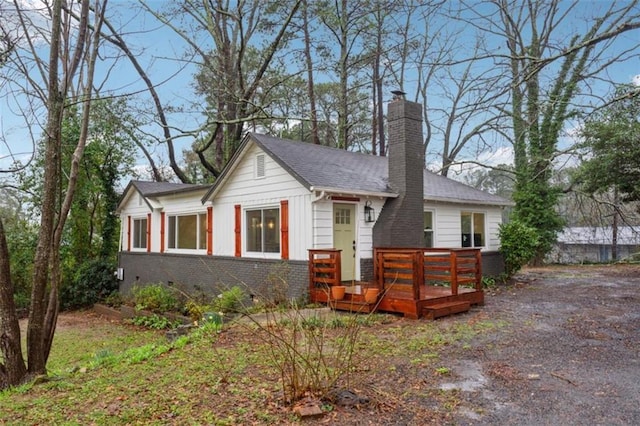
pixel 418 273
pixel 378 271
pixel 478 270
pixel 454 272
pixel 311 273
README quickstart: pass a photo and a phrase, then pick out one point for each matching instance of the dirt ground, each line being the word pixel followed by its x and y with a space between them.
pixel 569 356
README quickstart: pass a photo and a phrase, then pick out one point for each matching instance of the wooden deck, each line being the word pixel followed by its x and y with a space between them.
pixel 418 283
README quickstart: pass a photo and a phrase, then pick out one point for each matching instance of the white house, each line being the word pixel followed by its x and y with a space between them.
pixel 277 198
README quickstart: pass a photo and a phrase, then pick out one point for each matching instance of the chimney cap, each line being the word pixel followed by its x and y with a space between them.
pixel 398 94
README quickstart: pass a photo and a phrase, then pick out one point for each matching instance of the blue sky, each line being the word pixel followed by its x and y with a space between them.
pixel 158 49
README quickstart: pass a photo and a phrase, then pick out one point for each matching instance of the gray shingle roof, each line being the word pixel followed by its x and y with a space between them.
pixel 155 189
pixel 322 167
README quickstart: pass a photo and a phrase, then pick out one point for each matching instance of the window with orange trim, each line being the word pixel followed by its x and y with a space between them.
pixel 140 233
pixel 263 230
pixel 187 231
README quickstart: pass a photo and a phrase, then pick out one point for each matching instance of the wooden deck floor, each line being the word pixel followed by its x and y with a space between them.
pixel 434 302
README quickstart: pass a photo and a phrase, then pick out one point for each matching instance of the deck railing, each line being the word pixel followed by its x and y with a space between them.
pixel 401 270
pixel 406 269
pixel 324 268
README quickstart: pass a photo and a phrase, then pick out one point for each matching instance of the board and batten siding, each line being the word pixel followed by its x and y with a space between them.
pixel 135 208
pixel 188 203
pixel 246 189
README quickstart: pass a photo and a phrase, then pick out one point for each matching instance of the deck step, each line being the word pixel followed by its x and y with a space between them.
pixel 446 308
pixel 351 306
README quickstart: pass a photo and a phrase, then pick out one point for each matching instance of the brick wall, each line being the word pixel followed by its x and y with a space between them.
pixel 193 274
pixel 492 263
pixel 400 222
pixel 366 270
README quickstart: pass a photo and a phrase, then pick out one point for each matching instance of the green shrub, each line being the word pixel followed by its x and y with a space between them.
pixel 195 310
pixel 157 322
pixel 93 282
pixel 154 297
pixel 230 301
pixel 114 300
pixel 488 282
pixel 518 244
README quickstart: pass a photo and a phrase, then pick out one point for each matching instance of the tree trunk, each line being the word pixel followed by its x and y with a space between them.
pixel 343 102
pixel 614 226
pixel 315 138
pixel 36 338
pixel 64 63
pixel 380 112
pixel 12 369
pixel 374 117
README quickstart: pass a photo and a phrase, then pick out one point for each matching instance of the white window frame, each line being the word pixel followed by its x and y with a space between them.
pixel 473 214
pixel 140 232
pixel 246 231
pixel 433 226
pixel 201 246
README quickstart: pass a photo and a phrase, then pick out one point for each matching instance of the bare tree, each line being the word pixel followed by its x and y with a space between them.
pixel 7 43
pixel 232 70
pixel 315 138
pixel 550 72
pixel 345 23
pixel 455 89
pixel 62 79
pixel 386 41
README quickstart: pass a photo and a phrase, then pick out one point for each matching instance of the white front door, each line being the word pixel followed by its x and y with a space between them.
pixel 344 237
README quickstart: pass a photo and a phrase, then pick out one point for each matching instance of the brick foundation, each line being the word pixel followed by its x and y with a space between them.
pixel 210 275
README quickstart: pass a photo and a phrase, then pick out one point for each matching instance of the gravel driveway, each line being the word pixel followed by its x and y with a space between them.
pixel 570 354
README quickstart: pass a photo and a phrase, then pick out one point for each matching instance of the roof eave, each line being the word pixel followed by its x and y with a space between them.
pixel 505 203
pixel 355 192
pixel 180 191
pixel 126 195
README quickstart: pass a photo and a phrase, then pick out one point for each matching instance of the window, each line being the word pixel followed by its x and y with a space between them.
pixel 188 232
pixel 472 225
pixel 428 229
pixel 263 230
pixel 140 233
pixel 343 216
pixel 260 170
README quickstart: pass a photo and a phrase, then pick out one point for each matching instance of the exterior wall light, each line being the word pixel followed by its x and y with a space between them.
pixel 369 212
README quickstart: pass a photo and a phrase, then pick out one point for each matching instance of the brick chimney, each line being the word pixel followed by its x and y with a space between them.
pixel 400 222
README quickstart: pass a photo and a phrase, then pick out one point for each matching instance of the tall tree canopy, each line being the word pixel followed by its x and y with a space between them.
pixel 612 144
